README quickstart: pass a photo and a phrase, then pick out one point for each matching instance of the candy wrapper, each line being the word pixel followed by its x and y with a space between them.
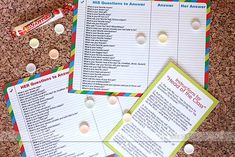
pixel 41 20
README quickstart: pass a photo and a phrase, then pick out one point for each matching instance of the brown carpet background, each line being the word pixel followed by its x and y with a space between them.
pixel 16 54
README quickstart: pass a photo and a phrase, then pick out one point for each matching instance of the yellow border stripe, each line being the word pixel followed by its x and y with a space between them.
pixel 60 68
pixel 72 52
pixel 207 57
pixel 71 70
pixel 26 79
pixel 115 93
pixel 208 10
pixel 10 109
pixel 20 143
pixel 75 18
pixel 208 27
pixel 78 92
pixel 133 94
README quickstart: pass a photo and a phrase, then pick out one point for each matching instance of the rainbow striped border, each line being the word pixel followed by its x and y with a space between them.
pixel 72 55
pixel 9 105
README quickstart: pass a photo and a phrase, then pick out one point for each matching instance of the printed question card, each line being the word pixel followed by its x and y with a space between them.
pixel 170 110
pixel 119 46
pixel 51 122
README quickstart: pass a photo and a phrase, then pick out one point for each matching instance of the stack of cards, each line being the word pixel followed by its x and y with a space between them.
pixel 124 92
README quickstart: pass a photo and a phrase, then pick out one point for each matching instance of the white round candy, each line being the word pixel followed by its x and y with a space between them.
pixel 141 38
pixel 54 54
pixel 31 68
pixel 163 37
pixel 84 128
pixel 89 102
pixel 34 43
pixel 189 149
pixel 127 117
pixel 112 100
pixel 59 28
pixel 196 24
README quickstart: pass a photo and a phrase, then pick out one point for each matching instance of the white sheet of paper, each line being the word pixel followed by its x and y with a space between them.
pixel 173 106
pixel 48 118
pixel 108 57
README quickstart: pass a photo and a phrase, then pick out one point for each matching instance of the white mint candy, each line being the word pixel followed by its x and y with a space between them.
pixel 163 37
pixel 189 149
pixel 90 102
pixel 59 28
pixel 34 43
pixel 196 24
pixel 31 68
pixel 84 128
pixel 140 38
pixel 112 100
pixel 54 54
pixel 127 117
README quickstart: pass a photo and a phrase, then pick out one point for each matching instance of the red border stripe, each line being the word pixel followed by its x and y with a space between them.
pixel 208 16
pixel 22 149
pixel 73 37
pixel 46 72
pixel 208 33
pixel 66 66
pixel 206 77
pixel 16 127
pixel 139 95
pixel 6 97
pixel 70 87
pixel 71 75
pixel 72 58
pixel 99 93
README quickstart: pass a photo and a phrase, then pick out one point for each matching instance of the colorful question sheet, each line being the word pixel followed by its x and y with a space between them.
pixel 48 119
pixel 170 110
pixel 119 46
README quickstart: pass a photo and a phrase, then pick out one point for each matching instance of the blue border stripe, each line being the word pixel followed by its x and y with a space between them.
pixel 37 75
pixel 207 51
pixel 90 92
pixel 71 64
pixel 72 91
pixel 8 103
pixel 75 12
pixel 207 68
pixel 74 29
pixel 208 21
pixel 127 94
pixel 24 154
pixel 20 81
pixel 13 120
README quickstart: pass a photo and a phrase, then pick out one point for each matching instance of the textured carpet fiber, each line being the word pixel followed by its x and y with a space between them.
pixel 16 54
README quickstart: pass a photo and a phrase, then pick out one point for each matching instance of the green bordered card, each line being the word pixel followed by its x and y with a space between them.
pixel 170 110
